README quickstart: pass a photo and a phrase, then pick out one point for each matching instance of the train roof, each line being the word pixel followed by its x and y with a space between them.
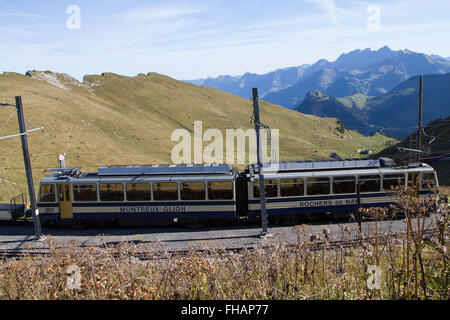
pixel 143 173
pixel 331 165
pixel 337 173
pixel 323 165
pixel 164 169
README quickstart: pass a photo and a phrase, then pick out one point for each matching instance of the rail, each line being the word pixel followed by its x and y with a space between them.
pixel 152 255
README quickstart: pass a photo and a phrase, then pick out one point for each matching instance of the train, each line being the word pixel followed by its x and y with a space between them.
pixel 219 193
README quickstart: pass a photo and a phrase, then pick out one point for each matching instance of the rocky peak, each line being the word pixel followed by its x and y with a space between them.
pixel 60 80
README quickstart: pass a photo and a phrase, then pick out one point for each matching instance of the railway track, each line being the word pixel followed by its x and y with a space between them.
pixel 147 255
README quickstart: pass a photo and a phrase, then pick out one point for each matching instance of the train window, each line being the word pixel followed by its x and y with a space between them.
pixel 67 192
pixel 193 191
pixel 344 184
pixel 391 181
pixel 370 183
pixel 428 180
pixel 318 186
pixel 138 192
pixel 165 191
pixel 222 190
pixel 47 193
pixel 292 187
pixel 85 192
pixel 60 193
pixel 111 192
pixel 270 186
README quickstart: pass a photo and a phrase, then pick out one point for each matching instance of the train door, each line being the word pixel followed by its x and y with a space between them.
pixel 65 201
pixel 413 184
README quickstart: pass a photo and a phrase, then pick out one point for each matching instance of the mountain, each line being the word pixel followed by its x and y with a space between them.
pixel 360 59
pixel 435 143
pixel 438 57
pixel 396 110
pixel 242 85
pixel 266 83
pixel 114 119
pixel 376 73
pixel 370 72
pixel 401 104
pixel 322 105
pixel 332 80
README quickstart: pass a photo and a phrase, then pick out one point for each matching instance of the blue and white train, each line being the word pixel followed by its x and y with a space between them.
pixel 137 194
pixel 330 187
pixel 162 194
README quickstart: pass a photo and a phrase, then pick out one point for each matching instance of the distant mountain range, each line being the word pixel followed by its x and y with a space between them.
pixel 266 83
pixel 370 72
pixel 394 113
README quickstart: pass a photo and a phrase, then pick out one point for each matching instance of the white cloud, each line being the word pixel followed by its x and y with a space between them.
pixel 23 15
pixel 15 12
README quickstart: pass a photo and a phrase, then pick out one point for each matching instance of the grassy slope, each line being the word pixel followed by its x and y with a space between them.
pixel 358 100
pixel 114 119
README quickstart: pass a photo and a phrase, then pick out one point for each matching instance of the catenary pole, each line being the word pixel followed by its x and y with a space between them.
pixel 260 164
pixel 28 170
pixel 419 133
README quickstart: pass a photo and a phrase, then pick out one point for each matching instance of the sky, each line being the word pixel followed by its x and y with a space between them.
pixel 198 38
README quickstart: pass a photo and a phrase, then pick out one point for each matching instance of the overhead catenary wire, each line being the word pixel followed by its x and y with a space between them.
pixel 16 135
pixel 6 122
pixel 401 127
pixel 3 105
pixel 428 136
pixel 445 131
pixel 446 155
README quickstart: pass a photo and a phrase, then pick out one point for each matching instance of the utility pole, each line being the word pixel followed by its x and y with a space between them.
pixel 29 173
pixel 419 133
pixel 262 192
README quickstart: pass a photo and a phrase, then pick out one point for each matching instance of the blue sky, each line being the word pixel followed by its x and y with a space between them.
pixel 196 39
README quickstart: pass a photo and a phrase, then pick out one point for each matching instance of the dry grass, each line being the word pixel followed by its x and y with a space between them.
pixel 412 267
pixel 445 191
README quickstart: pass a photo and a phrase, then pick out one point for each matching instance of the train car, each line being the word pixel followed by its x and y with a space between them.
pixel 167 194
pixel 149 194
pixel 317 188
